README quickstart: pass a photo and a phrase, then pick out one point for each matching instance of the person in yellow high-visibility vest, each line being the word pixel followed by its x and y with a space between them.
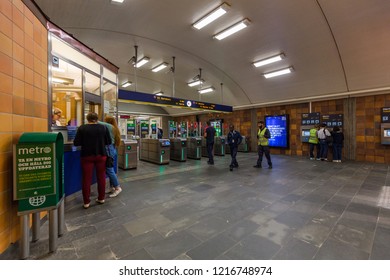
pixel 263 135
pixel 314 142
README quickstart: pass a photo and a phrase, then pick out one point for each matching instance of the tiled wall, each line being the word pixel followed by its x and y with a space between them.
pixel 23 98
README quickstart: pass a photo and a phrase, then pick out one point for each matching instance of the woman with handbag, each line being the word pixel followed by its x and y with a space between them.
pixel 93 139
pixel 112 153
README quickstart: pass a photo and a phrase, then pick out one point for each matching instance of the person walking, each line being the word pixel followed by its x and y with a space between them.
pixel 263 135
pixel 93 139
pixel 234 139
pixel 112 151
pixel 322 134
pixel 314 142
pixel 209 135
pixel 338 139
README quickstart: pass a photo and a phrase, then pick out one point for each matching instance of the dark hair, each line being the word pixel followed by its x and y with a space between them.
pixel 336 128
pixel 260 122
pixel 208 122
pixel 323 125
pixel 92 117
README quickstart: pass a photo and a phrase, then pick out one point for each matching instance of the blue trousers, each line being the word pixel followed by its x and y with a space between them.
pixel 110 171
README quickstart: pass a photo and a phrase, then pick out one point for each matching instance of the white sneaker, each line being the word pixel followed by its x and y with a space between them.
pixel 117 191
pixel 111 190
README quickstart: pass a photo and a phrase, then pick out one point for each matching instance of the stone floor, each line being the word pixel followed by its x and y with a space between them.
pixel 300 209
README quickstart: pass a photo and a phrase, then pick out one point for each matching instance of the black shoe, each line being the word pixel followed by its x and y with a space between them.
pixel 211 163
pixel 257 166
pixel 231 168
pixel 236 165
pixel 270 167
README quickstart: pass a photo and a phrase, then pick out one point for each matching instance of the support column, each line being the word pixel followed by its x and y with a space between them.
pixel 253 139
pixel 349 128
pixel 24 240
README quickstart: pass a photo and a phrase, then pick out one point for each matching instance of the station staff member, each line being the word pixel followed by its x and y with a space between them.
pixel 234 139
pixel 263 136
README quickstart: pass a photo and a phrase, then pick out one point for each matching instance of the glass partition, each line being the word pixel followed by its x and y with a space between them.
pixel 110 98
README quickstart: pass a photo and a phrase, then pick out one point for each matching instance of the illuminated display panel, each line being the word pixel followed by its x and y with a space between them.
pixel 279 128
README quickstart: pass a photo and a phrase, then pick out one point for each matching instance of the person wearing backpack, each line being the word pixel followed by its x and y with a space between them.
pixel 323 133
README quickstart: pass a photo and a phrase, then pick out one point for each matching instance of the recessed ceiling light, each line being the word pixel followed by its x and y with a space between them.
pixel 116 1
pixel 159 93
pixel 268 60
pixel 232 29
pixel 210 17
pixel 278 72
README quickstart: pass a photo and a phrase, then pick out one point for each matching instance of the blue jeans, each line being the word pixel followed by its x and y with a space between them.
pixel 110 171
pixel 323 149
pixel 210 147
pixel 233 153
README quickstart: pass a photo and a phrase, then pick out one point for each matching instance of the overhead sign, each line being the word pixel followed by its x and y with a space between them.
pixel 171 101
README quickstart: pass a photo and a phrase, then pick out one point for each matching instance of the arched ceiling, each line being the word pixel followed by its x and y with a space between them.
pixel 335 47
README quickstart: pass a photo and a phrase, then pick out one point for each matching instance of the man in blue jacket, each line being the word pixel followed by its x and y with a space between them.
pixel 234 139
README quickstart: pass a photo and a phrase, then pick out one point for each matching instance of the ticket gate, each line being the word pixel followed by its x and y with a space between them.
pixel 194 147
pixel 155 150
pixel 178 149
pixel 219 145
pixel 128 154
pixel 244 145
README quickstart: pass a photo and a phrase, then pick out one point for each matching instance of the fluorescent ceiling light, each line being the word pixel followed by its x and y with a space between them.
pixel 117 1
pixel 160 67
pixel 56 69
pixel 159 93
pixel 210 17
pixel 195 83
pixel 142 61
pixel 206 90
pixel 60 80
pixel 126 84
pixel 232 29
pixel 278 73
pixel 268 60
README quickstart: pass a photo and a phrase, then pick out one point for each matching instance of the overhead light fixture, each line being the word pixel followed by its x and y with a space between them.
pixel 195 83
pixel 206 90
pixel 159 93
pixel 232 29
pixel 142 61
pixel 268 60
pixel 117 1
pixel 57 69
pixel 160 67
pixel 126 84
pixel 210 17
pixel 278 72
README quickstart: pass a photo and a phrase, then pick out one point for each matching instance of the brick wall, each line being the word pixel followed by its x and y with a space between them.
pixel 23 98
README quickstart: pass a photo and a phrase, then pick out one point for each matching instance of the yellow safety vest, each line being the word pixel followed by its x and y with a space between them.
pixel 313 136
pixel 261 139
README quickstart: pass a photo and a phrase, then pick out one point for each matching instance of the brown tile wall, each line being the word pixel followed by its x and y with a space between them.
pixel 23 98
pixel 368 125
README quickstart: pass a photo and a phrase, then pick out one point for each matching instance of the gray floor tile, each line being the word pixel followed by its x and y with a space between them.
pixel 296 249
pixel 336 250
pixel 212 248
pixel 253 247
pixel 381 246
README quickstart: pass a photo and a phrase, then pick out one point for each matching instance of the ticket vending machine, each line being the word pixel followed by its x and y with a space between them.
pixel 305 133
pixel 155 150
pixel 385 126
pixel 178 149
pixel 308 121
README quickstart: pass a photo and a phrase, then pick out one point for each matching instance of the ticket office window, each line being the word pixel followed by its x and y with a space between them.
pixel 92 96
pixel 66 86
pixel 109 98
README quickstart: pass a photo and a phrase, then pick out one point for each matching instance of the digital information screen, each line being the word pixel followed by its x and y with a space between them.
pixel 172 101
pixel 278 127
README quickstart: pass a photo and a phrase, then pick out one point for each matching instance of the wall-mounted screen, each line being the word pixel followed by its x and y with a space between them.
pixel 279 128
pixel 386 133
pixel 306 132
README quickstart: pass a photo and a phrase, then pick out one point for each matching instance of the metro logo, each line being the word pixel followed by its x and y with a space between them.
pixel 33 151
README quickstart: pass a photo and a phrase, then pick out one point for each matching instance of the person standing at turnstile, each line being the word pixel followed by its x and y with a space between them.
pixel 234 139
pixel 209 135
